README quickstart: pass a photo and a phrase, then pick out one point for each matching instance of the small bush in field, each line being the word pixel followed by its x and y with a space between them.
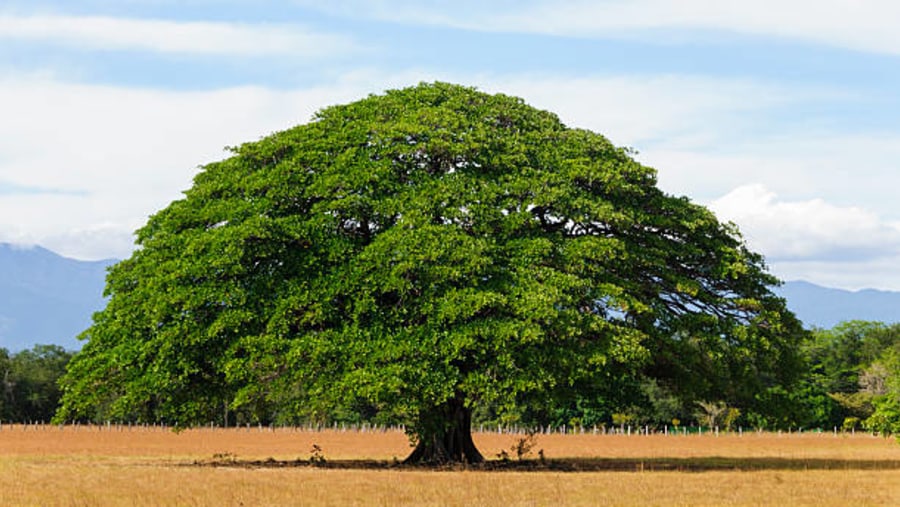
pixel 524 445
pixel 317 457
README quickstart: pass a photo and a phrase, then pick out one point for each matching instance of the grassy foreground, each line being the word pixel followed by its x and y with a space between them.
pixel 88 466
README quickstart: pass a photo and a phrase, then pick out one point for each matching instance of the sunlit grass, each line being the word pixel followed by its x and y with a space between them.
pixel 91 466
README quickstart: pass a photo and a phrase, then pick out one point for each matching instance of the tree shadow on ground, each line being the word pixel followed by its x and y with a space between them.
pixel 703 464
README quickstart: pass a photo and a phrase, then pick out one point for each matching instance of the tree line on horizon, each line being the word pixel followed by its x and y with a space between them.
pixel 29 383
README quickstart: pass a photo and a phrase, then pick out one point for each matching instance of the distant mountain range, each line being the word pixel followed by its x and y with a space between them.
pixel 49 299
pixel 46 298
pixel 823 307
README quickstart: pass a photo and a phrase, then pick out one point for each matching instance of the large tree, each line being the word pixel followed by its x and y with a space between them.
pixel 418 253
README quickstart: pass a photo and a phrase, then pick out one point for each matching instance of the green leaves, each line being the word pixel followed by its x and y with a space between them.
pixel 429 245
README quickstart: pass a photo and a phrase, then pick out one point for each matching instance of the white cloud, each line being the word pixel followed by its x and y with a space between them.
pixel 847 169
pixel 111 156
pixel 863 25
pixel 68 226
pixel 108 157
pixel 881 273
pixel 163 36
pixel 676 111
pixel 836 246
pixel 812 230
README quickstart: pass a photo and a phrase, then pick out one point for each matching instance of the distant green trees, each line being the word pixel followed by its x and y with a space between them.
pixel 854 376
pixel 29 389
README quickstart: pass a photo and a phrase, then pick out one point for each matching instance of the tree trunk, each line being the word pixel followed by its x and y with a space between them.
pixel 445 436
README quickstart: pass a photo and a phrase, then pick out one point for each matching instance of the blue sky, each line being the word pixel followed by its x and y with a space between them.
pixel 783 117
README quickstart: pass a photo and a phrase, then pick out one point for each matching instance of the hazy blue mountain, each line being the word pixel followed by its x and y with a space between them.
pixel 824 307
pixel 46 298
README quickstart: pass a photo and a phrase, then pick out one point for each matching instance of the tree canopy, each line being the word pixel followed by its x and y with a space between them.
pixel 420 253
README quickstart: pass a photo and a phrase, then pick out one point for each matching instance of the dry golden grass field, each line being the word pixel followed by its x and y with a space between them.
pixel 87 466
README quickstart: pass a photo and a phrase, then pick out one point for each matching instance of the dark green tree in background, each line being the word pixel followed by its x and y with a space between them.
pixel 29 390
pixel 419 254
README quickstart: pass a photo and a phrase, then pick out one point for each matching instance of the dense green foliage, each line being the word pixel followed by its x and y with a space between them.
pixel 28 383
pixel 417 255
pixel 854 377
